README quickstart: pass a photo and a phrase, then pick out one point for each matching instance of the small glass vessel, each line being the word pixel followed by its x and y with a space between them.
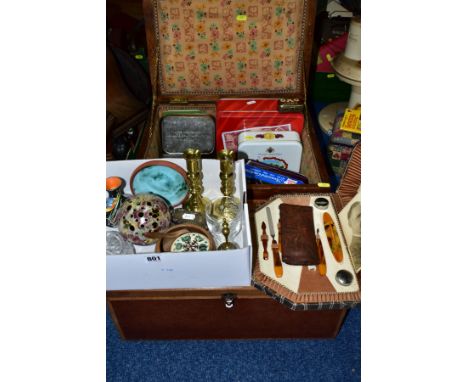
pixel 117 245
pixel 227 208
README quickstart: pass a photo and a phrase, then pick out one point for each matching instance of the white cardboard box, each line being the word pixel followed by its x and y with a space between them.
pixel 211 269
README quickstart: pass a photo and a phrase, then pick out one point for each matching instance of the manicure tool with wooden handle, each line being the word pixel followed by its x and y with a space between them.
pixel 264 238
pixel 322 267
pixel 278 266
pixel 279 236
pixel 333 238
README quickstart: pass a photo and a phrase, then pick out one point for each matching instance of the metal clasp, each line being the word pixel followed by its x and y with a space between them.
pixel 179 100
pixel 290 105
pixel 229 300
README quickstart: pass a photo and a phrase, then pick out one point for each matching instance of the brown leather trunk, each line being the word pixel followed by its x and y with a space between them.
pixel 204 314
pixel 223 313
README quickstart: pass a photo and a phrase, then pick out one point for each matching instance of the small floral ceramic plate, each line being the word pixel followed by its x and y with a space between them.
pixel 190 242
pixel 185 238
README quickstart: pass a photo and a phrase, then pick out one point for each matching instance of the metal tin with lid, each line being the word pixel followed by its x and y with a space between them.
pixel 179 132
pixel 281 149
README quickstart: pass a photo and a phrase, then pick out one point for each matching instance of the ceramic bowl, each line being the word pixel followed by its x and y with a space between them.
pixel 143 214
pixel 162 178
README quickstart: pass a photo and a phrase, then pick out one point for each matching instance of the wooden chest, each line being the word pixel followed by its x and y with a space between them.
pixel 215 314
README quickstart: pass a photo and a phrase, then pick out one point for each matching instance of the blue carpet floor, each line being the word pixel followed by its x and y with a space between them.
pixel 237 360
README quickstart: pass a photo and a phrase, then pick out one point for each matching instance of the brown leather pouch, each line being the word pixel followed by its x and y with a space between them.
pixel 298 243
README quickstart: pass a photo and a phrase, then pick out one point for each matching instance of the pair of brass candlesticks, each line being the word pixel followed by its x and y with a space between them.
pixel 223 211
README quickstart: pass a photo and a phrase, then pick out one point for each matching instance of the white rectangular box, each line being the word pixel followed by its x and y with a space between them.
pixel 169 270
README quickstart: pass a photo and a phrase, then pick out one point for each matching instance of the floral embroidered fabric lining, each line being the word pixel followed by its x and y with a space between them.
pixel 230 46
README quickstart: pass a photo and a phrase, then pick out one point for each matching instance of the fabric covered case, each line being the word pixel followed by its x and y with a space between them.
pixel 298 235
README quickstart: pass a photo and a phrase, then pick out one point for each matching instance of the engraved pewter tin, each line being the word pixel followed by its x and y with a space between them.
pixel 282 149
pixel 179 132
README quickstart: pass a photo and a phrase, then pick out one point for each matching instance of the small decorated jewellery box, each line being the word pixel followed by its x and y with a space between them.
pixel 202 51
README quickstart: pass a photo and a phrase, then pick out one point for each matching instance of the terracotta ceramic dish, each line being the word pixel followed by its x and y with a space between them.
pixel 162 178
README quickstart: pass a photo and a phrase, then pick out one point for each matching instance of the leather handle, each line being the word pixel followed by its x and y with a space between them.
pixel 278 266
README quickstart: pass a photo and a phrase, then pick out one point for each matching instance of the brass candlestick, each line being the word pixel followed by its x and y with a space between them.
pixel 196 202
pixel 226 165
pixel 227 244
pixel 227 206
pixel 225 213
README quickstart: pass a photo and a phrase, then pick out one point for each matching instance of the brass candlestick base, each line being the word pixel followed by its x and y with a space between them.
pixel 227 244
pixel 199 205
pixel 226 207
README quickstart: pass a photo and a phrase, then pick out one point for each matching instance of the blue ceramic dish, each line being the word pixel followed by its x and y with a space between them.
pixel 162 178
